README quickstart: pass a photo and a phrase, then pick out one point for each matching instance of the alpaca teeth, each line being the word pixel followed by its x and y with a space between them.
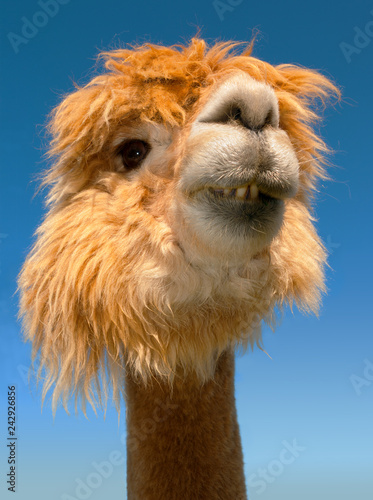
pixel 247 192
pixel 229 192
pixel 254 191
pixel 241 191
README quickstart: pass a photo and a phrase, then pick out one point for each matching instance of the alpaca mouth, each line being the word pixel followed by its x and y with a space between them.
pixel 246 207
pixel 247 192
pixel 255 191
pixel 246 185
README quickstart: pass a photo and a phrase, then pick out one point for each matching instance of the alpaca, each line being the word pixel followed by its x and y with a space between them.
pixel 179 217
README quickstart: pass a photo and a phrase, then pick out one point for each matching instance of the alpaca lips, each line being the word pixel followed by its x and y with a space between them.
pixel 242 193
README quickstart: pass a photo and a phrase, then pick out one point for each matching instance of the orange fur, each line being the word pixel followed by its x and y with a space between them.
pixel 106 282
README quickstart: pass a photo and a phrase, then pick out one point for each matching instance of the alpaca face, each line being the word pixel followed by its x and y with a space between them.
pixel 178 215
pixel 229 177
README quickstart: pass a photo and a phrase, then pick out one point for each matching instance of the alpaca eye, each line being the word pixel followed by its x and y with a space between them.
pixel 134 152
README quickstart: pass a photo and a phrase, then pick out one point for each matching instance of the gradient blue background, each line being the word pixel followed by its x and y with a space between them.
pixel 304 392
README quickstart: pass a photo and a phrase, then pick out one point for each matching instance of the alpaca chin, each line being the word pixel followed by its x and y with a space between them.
pixel 221 238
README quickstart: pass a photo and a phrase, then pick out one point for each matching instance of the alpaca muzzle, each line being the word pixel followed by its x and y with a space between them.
pixel 236 141
pixel 239 167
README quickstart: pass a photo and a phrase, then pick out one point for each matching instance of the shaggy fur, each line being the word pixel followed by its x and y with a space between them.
pixel 107 282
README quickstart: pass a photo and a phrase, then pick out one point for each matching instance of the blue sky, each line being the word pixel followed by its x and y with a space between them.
pixel 317 390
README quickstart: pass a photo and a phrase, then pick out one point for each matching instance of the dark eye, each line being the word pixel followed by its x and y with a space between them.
pixel 134 152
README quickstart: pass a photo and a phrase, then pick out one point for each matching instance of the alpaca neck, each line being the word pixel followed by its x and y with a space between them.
pixel 185 443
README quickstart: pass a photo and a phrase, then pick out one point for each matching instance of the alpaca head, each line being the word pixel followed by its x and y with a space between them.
pixel 178 215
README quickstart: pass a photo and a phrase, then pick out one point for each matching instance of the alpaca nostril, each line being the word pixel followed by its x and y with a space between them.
pixel 246 117
pixel 243 100
pixel 249 116
pixel 236 114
